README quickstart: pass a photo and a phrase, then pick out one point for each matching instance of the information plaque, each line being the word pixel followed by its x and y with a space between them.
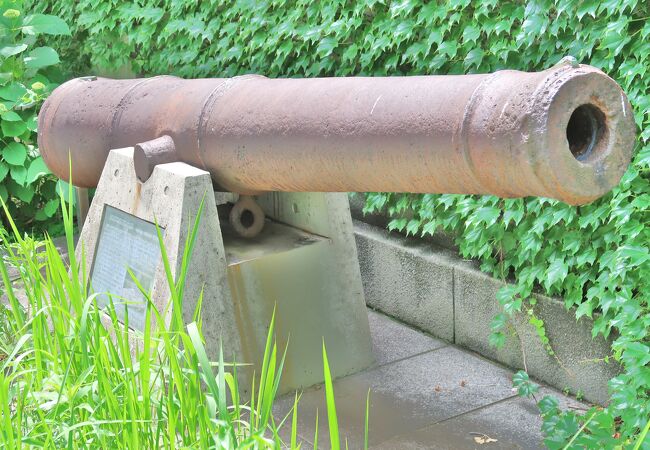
pixel 125 242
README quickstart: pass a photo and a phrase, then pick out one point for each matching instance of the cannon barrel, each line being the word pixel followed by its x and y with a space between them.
pixel 566 132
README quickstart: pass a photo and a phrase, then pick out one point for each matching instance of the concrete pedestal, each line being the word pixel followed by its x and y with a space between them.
pixel 304 264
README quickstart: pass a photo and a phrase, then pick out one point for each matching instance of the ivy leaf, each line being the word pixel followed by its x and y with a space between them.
pixel 557 271
pixel 506 293
pixel 513 215
pixel 45 24
pixel 474 58
pixel 448 48
pixel 548 405
pixel 487 215
pixel 41 57
pixel 637 255
pixel 37 169
pixel 587 7
pixel 637 353
pixel 499 322
pixel 14 153
pixel 586 308
pixel 326 46
pixel 471 34
pixel 497 339
pixel 11 50
pixel 412 227
pixel 525 387
pixel 534 25
pixel 397 224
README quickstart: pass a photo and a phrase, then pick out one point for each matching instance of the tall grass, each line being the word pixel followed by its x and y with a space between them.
pixel 71 376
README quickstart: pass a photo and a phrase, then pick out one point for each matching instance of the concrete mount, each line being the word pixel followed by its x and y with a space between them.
pixel 304 264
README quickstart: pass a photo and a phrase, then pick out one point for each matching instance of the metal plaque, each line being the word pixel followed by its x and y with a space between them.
pixel 125 242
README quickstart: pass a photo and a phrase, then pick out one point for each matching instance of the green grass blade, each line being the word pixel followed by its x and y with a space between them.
pixel 332 421
pixel 642 436
pixel 365 425
pixel 294 422
pixel 316 432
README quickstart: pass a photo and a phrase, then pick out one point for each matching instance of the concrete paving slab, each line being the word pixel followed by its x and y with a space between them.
pixel 404 396
pixel 510 424
pixel 392 340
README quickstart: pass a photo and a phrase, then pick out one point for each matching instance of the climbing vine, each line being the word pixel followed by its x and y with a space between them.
pixel 28 72
pixel 595 256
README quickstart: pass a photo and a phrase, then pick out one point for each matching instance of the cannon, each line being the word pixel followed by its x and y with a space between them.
pixel 156 147
pixel 565 133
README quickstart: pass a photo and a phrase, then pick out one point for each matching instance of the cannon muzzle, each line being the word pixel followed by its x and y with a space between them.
pixel 566 133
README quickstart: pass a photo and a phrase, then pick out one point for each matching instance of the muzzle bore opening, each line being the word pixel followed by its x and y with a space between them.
pixel 585 131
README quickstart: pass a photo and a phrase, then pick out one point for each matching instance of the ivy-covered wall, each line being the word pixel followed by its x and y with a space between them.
pixel 595 256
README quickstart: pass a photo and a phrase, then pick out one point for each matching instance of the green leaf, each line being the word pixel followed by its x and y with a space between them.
pixel 11 50
pixel 41 57
pixel 448 48
pixel 636 255
pixel 326 46
pixel 66 191
pixel 525 387
pixel 474 58
pixel 487 215
pixel 587 7
pixel 350 53
pixel 585 309
pixel 548 405
pixel 10 116
pixel 4 170
pixel 471 34
pixel 51 207
pixel 32 123
pixel 497 339
pixel 24 193
pixel 15 153
pixel 14 128
pixel 13 91
pixel 45 24
pixel 37 169
pixel 557 271
pixel 19 174
pixel 506 293
pixel 412 227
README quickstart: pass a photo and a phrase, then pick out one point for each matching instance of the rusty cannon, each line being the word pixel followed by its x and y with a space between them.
pixel 156 147
pixel 565 133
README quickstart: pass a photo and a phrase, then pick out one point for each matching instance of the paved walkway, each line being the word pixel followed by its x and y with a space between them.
pixel 424 394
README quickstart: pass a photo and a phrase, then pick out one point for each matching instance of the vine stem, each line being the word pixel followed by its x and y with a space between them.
pixel 642 436
pixel 575 436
